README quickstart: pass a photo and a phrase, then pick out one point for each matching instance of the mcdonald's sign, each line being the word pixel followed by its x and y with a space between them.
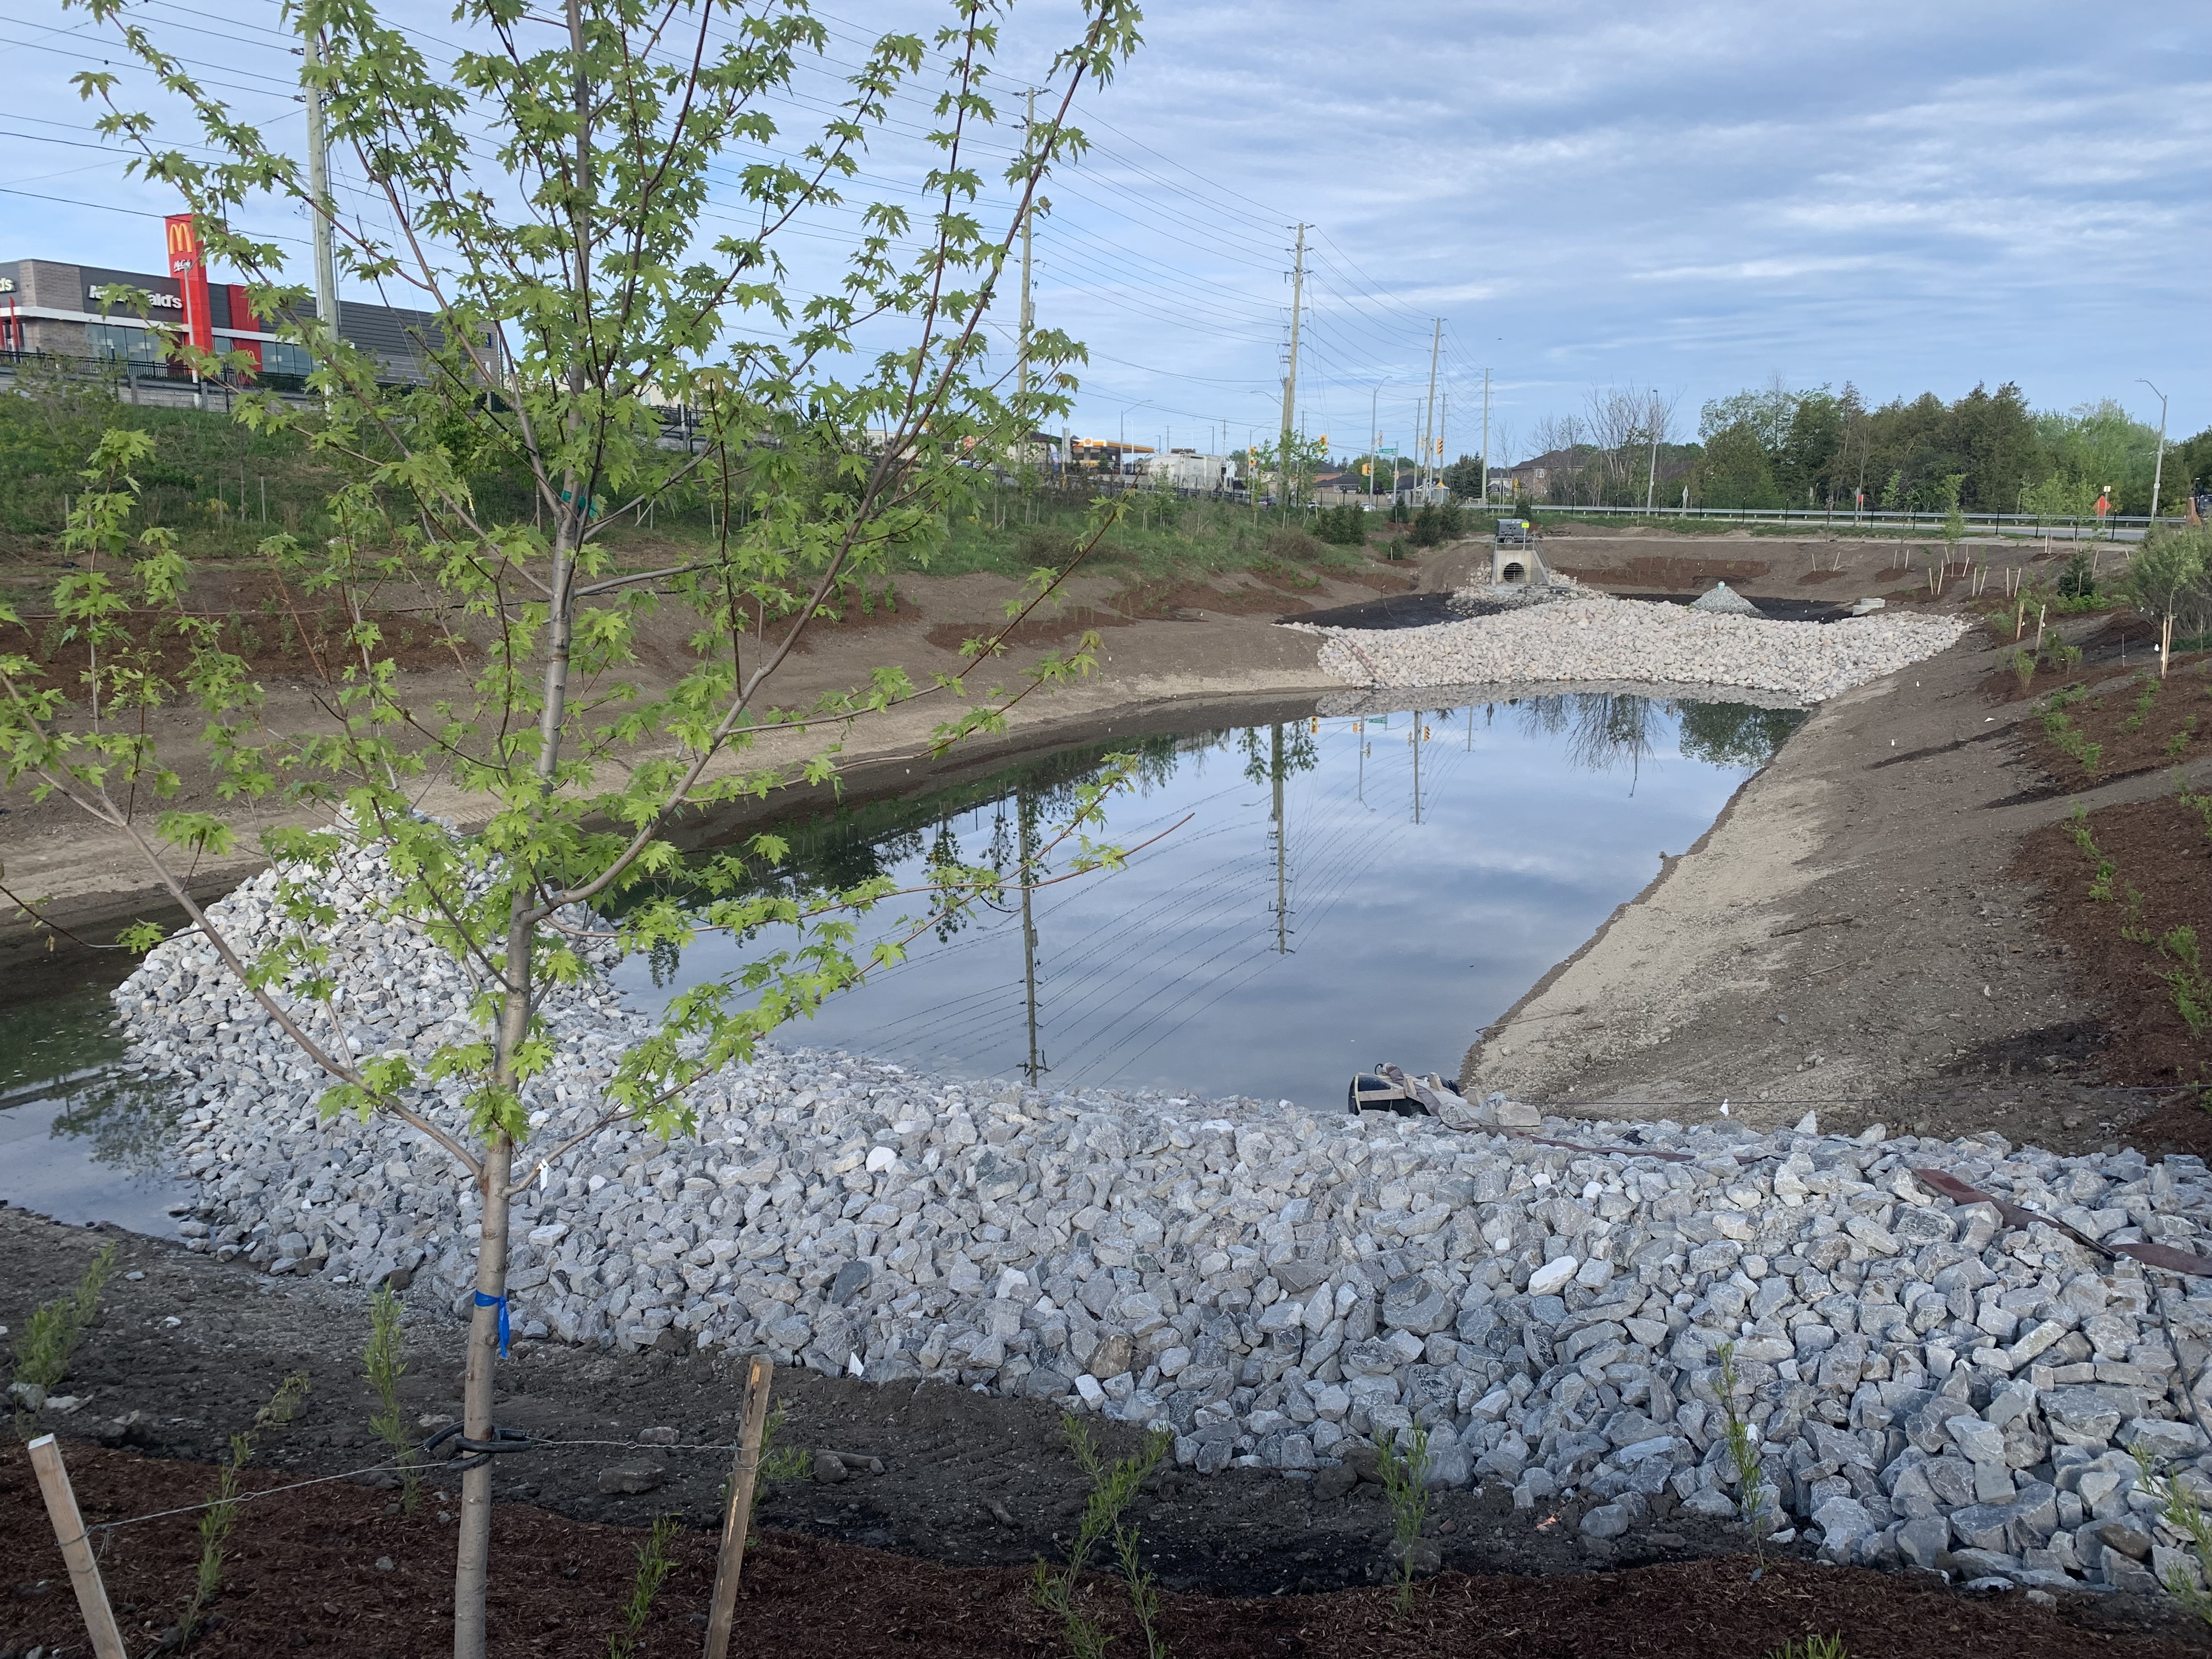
pixel 188 266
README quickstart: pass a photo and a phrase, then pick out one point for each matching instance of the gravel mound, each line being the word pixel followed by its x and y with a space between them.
pixel 1592 637
pixel 1280 1287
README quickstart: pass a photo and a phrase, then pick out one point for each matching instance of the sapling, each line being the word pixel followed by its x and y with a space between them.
pixel 51 1334
pixel 543 201
pixel 655 1564
pixel 1113 1485
pixel 1741 1439
pixel 220 1516
pixel 1406 1484
pixel 384 1368
pixel 2184 1510
pixel 778 1463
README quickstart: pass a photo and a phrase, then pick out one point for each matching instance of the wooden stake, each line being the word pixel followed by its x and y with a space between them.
pixel 69 1532
pixel 745 1474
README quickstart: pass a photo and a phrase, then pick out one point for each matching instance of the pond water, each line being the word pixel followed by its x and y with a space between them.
pixel 1318 896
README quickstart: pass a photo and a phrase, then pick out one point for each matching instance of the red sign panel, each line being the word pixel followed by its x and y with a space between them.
pixel 189 267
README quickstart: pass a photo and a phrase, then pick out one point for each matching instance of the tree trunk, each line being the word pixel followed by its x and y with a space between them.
pixel 472 1565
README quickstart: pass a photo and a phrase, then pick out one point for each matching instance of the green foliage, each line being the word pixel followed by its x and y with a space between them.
pixel 2094 446
pixel 1735 472
pixel 220 1518
pixel 2058 725
pixel 1812 1647
pixel 2180 1496
pixel 1434 524
pixel 52 1332
pixel 2023 666
pixel 1406 1484
pixel 384 1366
pixel 550 200
pixel 1734 733
pixel 2077 580
pixel 778 1463
pixel 1742 1440
pixel 1113 1486
pixel 655 1564
pixel 1342 527
pixel 2170 577
pixel 2186 983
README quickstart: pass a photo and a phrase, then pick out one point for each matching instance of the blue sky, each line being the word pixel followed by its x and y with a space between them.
pixel 1695 199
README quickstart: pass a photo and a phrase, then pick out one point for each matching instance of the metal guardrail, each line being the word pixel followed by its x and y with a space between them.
pixel 2116 527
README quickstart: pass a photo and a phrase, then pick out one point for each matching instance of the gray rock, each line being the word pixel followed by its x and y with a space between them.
pixel 1417 1305
pixel 630 1479
pixel 1923 1540
pixel 1607 1520
pixel 1843 1523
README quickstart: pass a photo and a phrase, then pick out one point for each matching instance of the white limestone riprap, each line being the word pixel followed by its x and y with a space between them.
pixel 1581 635
pixel 1278 1285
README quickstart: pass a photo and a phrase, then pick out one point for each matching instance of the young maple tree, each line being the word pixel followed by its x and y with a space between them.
pixel 552 190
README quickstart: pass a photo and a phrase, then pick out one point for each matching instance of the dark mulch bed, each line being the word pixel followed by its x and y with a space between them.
pixel 1396 610
pixel 1668 572
pixel 2139 722
pixel 2161 849
pixel 335 1568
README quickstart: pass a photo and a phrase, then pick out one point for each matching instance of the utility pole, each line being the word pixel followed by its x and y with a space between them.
pixel 1429 425
pixel 1485 437
pixel 1651 477
pixel 2157 470
pixel 319 186
pixel 1374 446
pixel 1282 912
pixel 1022 818
pixel 1290 379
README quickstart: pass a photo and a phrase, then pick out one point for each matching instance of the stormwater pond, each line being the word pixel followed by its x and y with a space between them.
pixel 1312 896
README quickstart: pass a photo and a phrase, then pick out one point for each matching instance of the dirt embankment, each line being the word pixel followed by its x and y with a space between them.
pixel 1201 639
pixel 1862 934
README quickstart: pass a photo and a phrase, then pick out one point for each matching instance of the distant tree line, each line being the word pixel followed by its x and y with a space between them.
pixel 1986 452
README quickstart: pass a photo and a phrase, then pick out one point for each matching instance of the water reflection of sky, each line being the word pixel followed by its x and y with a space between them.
pixel 1406 925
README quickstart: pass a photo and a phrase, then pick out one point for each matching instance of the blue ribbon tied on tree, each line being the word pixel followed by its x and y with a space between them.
pixel 499 1302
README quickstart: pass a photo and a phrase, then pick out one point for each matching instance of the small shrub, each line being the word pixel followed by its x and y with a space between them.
pixel 2023 667
pixel 51 1333
pixel 655 1564
pixel 1342 527
pixel 2185 982
pixel 2142 708
pixel 1812 1647
pixel 1742 1442
pixel 384 1368
pixel 778 1463
pixel 220 1516
pixel 2182 1510
pixel 1406 1484
pixel 1289 542
pixel 1045 546
pixel 1112 1487
pixel 2076 581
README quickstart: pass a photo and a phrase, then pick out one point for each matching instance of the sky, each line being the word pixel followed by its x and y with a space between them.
pixel 1577 196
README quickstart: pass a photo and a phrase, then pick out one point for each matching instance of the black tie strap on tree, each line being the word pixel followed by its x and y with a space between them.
pixel 481 1452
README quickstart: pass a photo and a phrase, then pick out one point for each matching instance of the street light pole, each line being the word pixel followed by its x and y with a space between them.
pixel 2158 470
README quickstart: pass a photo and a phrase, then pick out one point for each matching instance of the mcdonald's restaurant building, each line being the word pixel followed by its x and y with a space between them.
pixel 51 307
